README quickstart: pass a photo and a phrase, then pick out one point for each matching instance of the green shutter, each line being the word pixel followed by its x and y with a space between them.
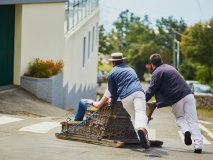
pixel 7 20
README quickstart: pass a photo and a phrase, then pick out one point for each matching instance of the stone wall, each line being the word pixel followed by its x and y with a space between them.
pixel 48 89
pixel 52 90
pixel 204 102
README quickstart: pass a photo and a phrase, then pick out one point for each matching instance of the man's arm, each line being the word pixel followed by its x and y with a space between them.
pixel 112 89
pixel 154 85
pixel 98 104
pixel 101 102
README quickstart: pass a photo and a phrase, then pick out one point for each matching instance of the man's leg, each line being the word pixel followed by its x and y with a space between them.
pixel 192 120
pixel 141 119
pixel 81 110
pixel 179 113
pixel 128 106
pixel 135 105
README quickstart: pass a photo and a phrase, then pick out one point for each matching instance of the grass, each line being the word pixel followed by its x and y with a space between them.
pixel 205 115
pixel 205 111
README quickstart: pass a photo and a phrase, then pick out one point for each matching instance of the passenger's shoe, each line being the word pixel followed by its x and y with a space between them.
pixel 188 140
pixel 198 151
pixel 143 141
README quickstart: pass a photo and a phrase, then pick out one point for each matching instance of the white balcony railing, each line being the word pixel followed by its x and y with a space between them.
pixel 77 10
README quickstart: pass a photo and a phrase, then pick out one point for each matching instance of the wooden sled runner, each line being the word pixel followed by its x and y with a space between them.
pixel 109 126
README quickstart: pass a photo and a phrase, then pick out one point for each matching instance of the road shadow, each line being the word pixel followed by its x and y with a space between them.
pixel 182 150
pixel 150 152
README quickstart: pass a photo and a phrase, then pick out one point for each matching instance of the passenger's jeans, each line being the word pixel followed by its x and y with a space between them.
pixel 81 110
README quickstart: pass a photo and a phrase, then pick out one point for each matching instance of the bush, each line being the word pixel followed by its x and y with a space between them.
pixel 44 69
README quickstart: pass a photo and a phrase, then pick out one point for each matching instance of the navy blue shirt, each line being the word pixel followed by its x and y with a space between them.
pixel 167 85
pixel 122 81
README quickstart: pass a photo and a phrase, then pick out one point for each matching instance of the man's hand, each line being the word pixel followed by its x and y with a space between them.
pixel 95 104
pixel 109 101
pixel 154 102
pixel 89 101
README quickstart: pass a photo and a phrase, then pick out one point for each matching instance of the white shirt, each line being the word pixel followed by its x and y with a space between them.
pixel 108 95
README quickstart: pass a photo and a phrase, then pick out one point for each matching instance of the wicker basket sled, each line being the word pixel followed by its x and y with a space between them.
pixel 109 126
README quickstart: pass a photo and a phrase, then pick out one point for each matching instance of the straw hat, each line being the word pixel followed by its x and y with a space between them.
pixel 116 57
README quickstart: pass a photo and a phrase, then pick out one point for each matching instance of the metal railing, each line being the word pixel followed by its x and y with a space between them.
pixel 77 10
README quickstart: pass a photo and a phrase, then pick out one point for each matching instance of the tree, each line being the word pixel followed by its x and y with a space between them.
pixel 197 46
pixel 137 40
pixel 105 45
pixel 188 69
pixel 165 37
pixel 132 33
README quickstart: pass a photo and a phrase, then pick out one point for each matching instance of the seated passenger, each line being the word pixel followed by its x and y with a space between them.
pixel 85 103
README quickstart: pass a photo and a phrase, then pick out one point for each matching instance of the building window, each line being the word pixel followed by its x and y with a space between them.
pixel 89 45
pixel 93 33
pixel 97 34
pixel 84 52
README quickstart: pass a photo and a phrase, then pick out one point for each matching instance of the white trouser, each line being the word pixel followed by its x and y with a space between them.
pixel 186 118
pixel 135 105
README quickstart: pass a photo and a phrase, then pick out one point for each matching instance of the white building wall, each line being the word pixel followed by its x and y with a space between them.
pixel 75 73
pixel 39 33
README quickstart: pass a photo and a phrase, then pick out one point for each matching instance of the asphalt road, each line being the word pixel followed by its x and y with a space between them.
pixel 24 138
pixel 29 136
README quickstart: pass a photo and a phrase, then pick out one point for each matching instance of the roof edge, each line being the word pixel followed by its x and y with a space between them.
pixel 5 2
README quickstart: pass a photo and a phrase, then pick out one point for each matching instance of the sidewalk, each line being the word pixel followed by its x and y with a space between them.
pixel 20 102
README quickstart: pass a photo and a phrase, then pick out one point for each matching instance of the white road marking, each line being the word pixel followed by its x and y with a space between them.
pixel 5 119
pixel 205 122
pixel 210 134
pixel 42 127
pixel 205 141
pixel 151 134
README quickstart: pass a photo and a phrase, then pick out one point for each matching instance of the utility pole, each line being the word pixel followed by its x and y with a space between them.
pixel 176 51
pixel 178 54
pixel 174 48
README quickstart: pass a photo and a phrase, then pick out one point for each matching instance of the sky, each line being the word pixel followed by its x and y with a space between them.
pixel 191 11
